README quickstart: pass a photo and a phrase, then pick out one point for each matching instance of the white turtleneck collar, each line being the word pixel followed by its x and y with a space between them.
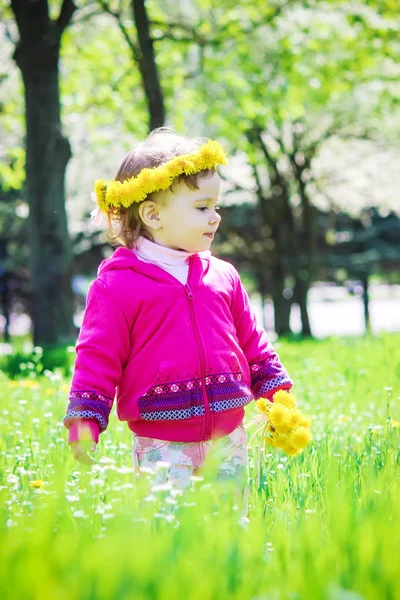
pixel 154 252
pixel 175 262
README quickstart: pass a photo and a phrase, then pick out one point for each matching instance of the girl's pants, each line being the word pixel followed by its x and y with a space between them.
pixel 181 460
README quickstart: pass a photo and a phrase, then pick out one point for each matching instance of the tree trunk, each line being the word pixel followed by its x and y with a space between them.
pixel 4 287
pixel 263 318
pixel 282 305
pixel 300 295
pixel 305 274
pixel 365 282
pixel 47 155
pixel 5 296
pixel 148 66
pixel 262 290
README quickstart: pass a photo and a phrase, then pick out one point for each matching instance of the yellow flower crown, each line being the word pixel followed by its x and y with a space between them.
pixel 113 194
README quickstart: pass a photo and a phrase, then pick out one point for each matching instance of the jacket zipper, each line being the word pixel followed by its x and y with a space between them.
pixel 190 296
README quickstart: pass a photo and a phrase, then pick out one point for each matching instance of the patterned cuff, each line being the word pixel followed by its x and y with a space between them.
pixel 267 377
pixel 88 405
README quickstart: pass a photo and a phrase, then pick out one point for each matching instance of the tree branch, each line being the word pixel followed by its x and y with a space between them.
pixel 192 35
pixel 266 20
pixel 86 16
pixel 67 10
pixel 254 137
pixel 9 34
pixel 117 15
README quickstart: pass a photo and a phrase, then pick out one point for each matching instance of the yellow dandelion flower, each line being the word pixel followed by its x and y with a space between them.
pixel 114 195
pixel 283 397
pixel 278 440
pixel 279 415
pixel 28 383
pixel 37 483
pixel 283 428
pixel 128 192
pixel 290 450
pixel 395 423
pixel 145 176
pixel 180 162
pixel 295 419
pixel 263 405
pixel 208 153
pixel 100 189
pixel 300 437
pixel 190 168
pixel 212 153
pixel 305 421
pixel 270 441
pixel 161 179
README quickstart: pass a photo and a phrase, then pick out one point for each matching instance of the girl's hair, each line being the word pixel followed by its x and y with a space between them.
pixel 162 144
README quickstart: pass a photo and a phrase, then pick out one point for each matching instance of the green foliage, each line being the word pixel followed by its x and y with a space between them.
pixel 12 171
pixel 22 364
pixel 12 153
pixel 322 525
pixel 269 63
pixel 106 88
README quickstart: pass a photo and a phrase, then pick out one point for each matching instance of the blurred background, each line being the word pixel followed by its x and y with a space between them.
pixel 304 97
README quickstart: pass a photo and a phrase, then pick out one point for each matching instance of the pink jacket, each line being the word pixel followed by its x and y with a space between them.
pixel 183 360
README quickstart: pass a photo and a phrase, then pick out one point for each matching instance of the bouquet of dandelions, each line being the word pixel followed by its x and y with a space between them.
pixel 283 425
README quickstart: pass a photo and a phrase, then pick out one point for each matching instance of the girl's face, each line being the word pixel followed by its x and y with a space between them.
pixel 189 218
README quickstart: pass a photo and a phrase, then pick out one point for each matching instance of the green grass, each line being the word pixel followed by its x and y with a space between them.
pixel 323 525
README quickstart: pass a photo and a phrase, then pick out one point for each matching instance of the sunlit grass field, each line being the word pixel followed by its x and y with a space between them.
pixel 323 525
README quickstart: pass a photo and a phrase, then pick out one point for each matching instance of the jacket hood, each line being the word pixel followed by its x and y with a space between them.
pixel 124 258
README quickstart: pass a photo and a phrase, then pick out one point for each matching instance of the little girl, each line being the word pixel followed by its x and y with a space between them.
pixel 168 327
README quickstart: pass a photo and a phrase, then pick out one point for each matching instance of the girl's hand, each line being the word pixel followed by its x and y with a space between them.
pixel 79 451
